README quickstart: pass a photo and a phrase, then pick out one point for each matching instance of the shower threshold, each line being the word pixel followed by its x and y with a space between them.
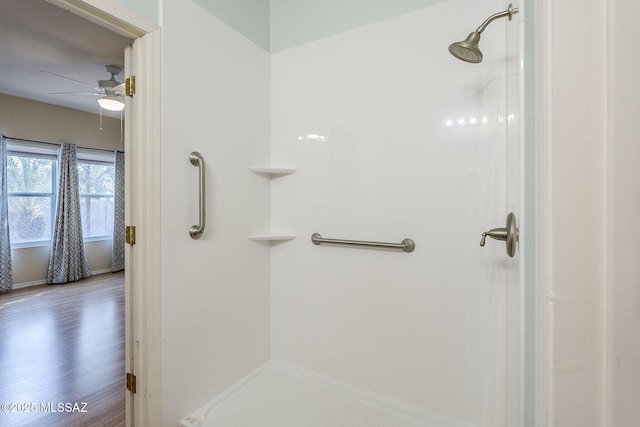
pixel 281 395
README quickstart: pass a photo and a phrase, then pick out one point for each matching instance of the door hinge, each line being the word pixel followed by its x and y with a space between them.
pixel 130 235
pixel 130 85
pixel 131 382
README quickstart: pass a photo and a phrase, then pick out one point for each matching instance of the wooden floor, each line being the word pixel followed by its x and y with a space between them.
pixel 63 344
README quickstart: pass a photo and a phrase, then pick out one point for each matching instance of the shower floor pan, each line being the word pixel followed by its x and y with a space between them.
pixel 280 395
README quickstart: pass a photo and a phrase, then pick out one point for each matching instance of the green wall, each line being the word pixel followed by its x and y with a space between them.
pixel 296 22
pixel 276 25
pixel 147 9
pixel 249 17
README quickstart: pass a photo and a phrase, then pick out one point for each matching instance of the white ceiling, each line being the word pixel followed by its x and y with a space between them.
pixel 37 36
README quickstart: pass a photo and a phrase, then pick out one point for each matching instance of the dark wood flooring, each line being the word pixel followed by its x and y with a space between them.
pixel 63 344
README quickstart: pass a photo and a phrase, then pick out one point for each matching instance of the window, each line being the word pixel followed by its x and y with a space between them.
pixel 96 180
pixel 31 191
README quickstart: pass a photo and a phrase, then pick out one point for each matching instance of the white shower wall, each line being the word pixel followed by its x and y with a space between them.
pixel 415 146
pixel 215 290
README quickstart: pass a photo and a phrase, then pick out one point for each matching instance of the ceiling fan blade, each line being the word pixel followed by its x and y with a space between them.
pixel 68 78
pixel 120 89
pixel 77 93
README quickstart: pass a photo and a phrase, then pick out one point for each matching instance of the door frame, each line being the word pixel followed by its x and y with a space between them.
pixel 143 302
pixel 569 89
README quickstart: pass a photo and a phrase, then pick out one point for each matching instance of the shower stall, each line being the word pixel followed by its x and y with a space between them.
pixel 390 138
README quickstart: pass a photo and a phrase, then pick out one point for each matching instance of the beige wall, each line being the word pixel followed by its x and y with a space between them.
pixel 30 264
pixel 624 211
pixel 21 118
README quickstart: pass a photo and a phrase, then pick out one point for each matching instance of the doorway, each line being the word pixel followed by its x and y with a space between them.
pixel 67 37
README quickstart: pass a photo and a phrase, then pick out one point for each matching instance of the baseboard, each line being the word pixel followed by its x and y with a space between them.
pixel 104 270
pixel 44 281
pixel 29 284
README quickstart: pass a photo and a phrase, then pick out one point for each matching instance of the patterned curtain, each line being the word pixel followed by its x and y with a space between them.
pixel 67 262
pixel 6 277
pixel 117 259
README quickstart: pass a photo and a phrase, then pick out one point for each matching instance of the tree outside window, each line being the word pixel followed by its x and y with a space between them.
pixel 97 183
pixel 30 182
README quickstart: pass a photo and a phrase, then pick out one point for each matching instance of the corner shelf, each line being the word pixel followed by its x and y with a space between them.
pixel 271 237
pixel 272 172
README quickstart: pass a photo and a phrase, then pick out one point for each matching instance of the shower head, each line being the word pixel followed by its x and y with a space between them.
pixel 467 49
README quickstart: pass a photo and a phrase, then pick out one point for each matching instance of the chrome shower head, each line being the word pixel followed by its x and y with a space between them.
pixel 467 49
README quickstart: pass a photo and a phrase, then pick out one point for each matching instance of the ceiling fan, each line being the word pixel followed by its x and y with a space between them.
pixel 111 92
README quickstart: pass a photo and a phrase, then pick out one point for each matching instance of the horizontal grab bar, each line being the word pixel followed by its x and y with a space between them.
pixel 406 245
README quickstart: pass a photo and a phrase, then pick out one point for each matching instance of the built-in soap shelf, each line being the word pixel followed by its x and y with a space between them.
pixel 272 237
pixel 272 172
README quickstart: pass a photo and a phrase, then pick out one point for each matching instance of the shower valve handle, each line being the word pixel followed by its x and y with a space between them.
pixel 494 233
pixel 508 234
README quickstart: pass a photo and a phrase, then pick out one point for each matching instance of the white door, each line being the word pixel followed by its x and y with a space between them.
pixel 129 250
pixel 142 172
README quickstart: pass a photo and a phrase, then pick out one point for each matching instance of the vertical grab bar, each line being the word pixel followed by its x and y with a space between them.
pixel 196 231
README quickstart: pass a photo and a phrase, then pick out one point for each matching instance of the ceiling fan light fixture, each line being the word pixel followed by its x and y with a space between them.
pixel 111 102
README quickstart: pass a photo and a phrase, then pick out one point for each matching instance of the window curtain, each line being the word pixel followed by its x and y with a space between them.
pixel 6 275
pixel 68 262
pixel 117 258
